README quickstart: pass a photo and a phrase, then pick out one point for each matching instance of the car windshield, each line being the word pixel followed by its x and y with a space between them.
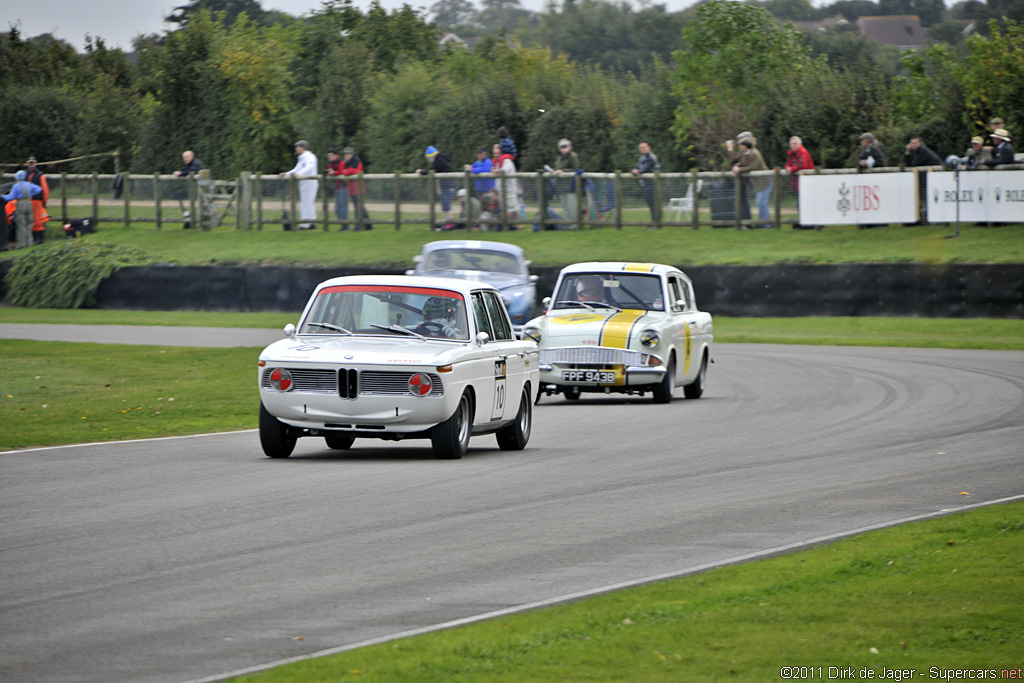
pixel 387 310
pixel 472 259
pixel 606 290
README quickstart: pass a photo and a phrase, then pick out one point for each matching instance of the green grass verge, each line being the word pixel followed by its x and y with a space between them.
pixel 959 333
pixel 384 246
pixel 932 596
pixel 55 393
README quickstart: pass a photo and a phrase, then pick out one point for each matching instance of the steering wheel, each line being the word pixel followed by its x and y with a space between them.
pixel 431 329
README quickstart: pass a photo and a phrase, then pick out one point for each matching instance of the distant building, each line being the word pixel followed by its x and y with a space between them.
pixel 823 25
pixel 903 31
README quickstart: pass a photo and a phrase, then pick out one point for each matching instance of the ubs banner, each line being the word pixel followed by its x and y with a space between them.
pixel 985 196
pixel 858 199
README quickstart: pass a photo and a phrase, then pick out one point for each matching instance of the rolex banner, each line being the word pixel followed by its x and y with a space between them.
pixel 858 199
pixel 985 197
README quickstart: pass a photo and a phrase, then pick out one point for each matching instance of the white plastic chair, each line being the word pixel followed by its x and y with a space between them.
pixel 683 204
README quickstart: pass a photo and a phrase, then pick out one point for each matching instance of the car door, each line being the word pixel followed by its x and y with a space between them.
pixel 683 326
pixel 490 392
pixel 510 370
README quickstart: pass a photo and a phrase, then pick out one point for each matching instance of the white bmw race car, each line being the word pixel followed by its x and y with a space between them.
pixel 622 327
pixel 394 357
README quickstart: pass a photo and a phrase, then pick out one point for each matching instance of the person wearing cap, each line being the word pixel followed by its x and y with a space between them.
pixel 567 161
pixel 995 124
pixel 19 207
pixel 441 162
pixel 978 153
pixel 305 165
pixel 1002 152
pixel 508 146
pixel 349 189
pixel 871 154
pixel 33 174
pixel 483 164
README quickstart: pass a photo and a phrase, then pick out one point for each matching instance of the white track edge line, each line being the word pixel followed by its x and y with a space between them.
pixel 114 443
pixel 550 602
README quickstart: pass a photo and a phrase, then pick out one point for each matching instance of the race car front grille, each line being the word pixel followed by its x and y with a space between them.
pixel 308 381
pixel 349 382
pixel 383 383
pixel 591 355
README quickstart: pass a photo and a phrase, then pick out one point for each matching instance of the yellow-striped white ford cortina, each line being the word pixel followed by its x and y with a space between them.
pixel 625 328
pixel 394 357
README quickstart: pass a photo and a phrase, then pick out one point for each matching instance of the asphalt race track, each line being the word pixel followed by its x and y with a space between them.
pixel 178 559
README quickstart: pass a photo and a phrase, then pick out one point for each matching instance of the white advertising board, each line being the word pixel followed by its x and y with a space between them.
pixel 858 199
pixel 985 197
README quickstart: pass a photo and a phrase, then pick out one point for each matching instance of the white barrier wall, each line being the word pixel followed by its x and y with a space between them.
pixel 985 197
pixel 858 199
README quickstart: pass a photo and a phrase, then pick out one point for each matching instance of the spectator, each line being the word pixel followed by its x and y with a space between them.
pixel 34 175
pixel 506 143
pixel 567 160
pixel 978 153
pixel 918 154
pixel 351 166
pixel 798 159
pixel 509 189
pixel 995 124
pixel 647 163
pixel 340 187
pixel 1002 152
pixel 192 164
pixel 751 160
pixel 305 165
pixel 19 206
pixel 871 155
pixel 441 163
pixel 483 164
pixel 469 212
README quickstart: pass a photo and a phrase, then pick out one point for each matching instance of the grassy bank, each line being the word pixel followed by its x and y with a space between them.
pixel 677 246
pixel 929 597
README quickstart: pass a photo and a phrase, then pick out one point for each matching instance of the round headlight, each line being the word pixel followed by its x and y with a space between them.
pixel 280 379
pixel 649 338
pixel 532 333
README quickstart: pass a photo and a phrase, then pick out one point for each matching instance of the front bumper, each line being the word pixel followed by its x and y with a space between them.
pixel 632 369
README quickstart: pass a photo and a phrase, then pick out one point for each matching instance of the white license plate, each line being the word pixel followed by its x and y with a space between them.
pixel 588 376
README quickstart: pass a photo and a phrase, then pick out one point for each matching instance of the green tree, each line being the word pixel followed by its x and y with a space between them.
pixel 993 77
pixel 734 62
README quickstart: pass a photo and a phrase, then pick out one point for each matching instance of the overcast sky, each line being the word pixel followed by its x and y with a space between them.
pixel 119 21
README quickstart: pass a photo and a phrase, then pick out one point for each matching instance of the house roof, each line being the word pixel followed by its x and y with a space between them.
pixel 902 30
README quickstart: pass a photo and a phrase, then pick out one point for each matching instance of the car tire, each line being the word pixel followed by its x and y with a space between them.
pixel 450 439
pixel 696 388
pixel 275 436
pixel 571 393
pixel 515 436
pixel 340 441
pixel 664 389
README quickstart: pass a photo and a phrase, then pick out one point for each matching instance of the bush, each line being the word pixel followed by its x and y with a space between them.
pixel 68 274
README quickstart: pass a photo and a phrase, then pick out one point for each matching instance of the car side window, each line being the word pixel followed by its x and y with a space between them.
pixel 676 292
pixel 684 288
pixel 499 321
pixel 483 323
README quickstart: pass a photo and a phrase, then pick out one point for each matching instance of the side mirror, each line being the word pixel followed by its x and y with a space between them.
pixel 289 330
pixel 546 300
pixel 410 272
pixel 482 338
pixel 534 278
pixel 680 305
pixel 417 258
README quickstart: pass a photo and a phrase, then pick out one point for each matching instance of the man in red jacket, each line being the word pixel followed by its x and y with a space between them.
pixel 351 167
pixel 799 160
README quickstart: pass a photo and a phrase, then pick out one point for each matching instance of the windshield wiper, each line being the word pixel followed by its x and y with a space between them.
pixel 397 328
pixel 329 326
pixel 605 305
pixel 574 303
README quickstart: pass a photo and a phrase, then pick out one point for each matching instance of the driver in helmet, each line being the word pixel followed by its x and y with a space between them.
pixel 440 261
pixel 590 289
pixel 438 318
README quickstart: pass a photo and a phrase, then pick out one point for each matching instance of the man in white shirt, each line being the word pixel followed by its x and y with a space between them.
pixel 305 166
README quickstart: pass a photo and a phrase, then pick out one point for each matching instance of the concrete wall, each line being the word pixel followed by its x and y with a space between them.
pixel 960 290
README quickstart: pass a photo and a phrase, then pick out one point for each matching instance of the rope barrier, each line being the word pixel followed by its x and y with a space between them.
pixel 61 161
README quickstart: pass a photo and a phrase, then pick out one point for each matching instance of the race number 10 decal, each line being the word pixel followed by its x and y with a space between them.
pixel 500 373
